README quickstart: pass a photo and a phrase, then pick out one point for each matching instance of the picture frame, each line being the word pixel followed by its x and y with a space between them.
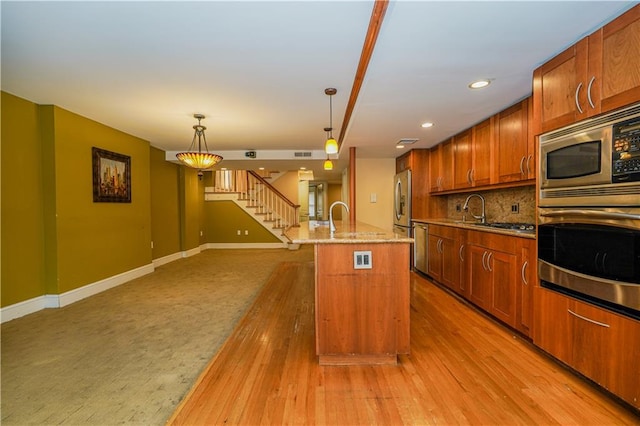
pixel 111 176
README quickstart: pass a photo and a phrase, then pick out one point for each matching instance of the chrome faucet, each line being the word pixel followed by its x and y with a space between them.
pixel 332 226
pixel 465 207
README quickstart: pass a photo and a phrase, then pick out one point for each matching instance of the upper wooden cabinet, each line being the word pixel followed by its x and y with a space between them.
pixel 514 153
pixel 598 74
pixel 441 167
pixel 472 156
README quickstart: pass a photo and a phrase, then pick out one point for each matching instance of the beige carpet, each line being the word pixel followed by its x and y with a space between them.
pixel 130 354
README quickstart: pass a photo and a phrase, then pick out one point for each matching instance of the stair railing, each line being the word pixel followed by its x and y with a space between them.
pixel 260 195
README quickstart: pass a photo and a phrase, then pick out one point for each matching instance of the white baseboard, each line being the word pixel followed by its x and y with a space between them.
pixel 36 304
pixel 245 245
pixel 192 252
pixel 167 259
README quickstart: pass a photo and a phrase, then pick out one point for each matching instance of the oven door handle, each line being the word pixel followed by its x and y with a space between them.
pixel 592 213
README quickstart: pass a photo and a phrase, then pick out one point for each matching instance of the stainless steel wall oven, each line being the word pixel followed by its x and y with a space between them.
pixel 589 211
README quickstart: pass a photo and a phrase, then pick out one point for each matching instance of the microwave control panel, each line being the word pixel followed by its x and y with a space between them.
pixel 625 157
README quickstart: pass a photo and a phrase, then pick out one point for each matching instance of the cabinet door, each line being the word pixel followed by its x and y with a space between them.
pixel 478 278
pixel 482 136
pixel 591 341
pixel 624 374
pixel 555 87
pixel 462 160
pixel 446 170
pixel 552 325
pixel 450 264
pixel 435 154
pixel 512 143
pixel 403 162
pixel 503 270
pixel 434 262
pixel 526 282
pixel 614 59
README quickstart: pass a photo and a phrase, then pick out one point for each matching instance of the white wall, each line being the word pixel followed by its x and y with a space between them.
pixel 375 176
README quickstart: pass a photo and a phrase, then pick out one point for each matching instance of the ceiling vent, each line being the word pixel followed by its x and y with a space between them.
pixel 407 141
pixel 302 154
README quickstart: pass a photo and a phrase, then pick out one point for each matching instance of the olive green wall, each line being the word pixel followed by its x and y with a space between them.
pixel 225 218
pixel 165 206
pixel 191 194
pixel 22 202
pixel 97 240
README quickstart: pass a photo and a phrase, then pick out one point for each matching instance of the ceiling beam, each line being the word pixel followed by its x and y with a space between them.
pixel 377 16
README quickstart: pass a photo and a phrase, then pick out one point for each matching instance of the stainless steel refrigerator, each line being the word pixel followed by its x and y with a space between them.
pixel 402 204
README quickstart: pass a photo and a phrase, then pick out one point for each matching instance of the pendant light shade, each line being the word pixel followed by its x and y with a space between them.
pixel 331 145
pixel 198 159
pixel 328 164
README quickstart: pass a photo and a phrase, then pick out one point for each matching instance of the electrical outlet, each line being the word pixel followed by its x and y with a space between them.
pixel 202 233
pixel 515 208
pixel 151 244
pixel 458 208
pixel 238 232
pixel 362 259
pixel 246 232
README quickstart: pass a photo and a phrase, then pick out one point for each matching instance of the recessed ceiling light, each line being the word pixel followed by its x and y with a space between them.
pixel 303 168
pixel 399 146
pixel 479 84
pixel 427 124
pixel 260 168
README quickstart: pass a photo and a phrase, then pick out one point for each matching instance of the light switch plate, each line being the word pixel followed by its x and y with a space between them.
pixel 362 259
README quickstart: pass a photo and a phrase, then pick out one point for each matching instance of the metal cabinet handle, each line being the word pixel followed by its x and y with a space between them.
pixel 529 164
pixel 522 165
pixel 439 246
pixel 577 101
pixel 522 272
pixel 601 324
pixel 460 253
pixel 488 262
pixel 484 256
pixel 469 176
pixel 589 92
pixel 472 175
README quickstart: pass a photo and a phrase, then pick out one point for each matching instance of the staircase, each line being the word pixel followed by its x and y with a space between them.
pixel 256 196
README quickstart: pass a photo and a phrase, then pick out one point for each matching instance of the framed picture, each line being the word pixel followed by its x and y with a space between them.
pixel 111 177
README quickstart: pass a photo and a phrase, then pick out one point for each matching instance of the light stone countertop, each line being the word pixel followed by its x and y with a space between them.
pixel 314 232
pixel 476 227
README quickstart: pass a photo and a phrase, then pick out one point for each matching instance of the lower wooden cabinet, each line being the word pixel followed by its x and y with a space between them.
pixel 444 253
pixel 495 272
pixel 600 344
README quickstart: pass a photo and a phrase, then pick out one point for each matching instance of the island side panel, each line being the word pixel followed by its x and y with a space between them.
pixel 362 311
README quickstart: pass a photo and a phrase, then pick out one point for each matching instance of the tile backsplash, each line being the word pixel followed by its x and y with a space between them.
pixel 498 205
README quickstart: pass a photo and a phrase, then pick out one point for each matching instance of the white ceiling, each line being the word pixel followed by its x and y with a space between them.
pixel 258 69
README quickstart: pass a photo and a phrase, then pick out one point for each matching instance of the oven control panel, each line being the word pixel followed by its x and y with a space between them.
pixel 625 156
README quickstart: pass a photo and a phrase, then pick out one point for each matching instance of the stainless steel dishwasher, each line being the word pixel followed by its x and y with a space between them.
pixel 420 247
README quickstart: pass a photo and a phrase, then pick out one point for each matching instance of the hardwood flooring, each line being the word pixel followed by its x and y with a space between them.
pixel 463 369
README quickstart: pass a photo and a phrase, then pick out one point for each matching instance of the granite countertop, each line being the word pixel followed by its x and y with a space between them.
pixel 315 232
pixel 477 227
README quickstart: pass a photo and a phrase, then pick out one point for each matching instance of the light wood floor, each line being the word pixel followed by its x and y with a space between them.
pixel 463 369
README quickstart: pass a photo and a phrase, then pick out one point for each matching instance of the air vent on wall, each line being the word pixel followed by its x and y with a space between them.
pixel 406 141
pixel 302 154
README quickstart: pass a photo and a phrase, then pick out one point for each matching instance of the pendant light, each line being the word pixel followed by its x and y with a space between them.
pixel 331 145
pixel 198 159
pixel 328 164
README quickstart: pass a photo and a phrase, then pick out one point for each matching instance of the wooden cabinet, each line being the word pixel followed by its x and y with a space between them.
pixel 444 255
pixel 527 280
pixel 472 156
pixel 600 344
pixel 596 75
pixel 513 156
pixel 492 273
pixel 441 167
pixel 362 315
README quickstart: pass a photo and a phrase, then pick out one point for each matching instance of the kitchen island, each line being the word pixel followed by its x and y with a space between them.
pixel 361 292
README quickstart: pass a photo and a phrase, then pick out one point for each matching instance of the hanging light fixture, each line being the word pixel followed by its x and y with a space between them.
pixel 328 164
pixel 331 145
pixel 198 159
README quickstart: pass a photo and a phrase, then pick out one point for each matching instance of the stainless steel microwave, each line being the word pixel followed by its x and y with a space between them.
pixel 593 163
